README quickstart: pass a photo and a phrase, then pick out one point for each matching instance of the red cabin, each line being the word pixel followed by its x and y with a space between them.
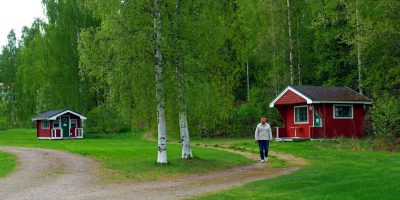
pixel 320 112
pixel 59 124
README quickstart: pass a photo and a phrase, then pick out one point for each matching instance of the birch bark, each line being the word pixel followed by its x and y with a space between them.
pixel 290 43
pixel 298 49
pixel 359 61
pixel 162 135
pixel 183 125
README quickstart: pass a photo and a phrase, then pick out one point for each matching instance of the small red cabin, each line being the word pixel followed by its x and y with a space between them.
pixel 59 124
pixel 320 112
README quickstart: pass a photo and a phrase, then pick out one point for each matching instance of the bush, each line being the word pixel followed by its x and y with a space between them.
pixel 244 119
pixel 102 119
pixel 5 122
pixel 386 118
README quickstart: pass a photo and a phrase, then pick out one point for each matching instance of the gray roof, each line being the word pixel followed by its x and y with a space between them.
pixel 331 93
pixel 325 94
pixel 49 114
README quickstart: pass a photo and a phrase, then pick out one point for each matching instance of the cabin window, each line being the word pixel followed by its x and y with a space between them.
pixel 56 124
pixel 300 114
pixel 343 111
pixel 45 124
pixel 73 123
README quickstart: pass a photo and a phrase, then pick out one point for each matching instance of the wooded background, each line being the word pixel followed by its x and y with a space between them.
pixel 97 58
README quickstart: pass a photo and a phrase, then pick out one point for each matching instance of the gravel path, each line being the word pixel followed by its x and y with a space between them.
pixel 51 174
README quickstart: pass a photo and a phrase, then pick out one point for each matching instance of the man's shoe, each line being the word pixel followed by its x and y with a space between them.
pixel 262 161
pixel 266 159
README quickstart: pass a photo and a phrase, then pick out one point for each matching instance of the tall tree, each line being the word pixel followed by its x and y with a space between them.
pixel 183 124
pixel 290 42
pixel 8 67
pixel 359 61
pixel 162 124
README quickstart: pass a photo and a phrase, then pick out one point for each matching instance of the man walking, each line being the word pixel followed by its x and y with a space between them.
pixel 263 135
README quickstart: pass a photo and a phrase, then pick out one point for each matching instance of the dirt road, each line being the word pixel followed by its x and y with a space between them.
pixel 51 174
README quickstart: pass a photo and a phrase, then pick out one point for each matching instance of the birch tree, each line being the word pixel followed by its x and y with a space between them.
pixel 298 45
pixel 359 61
pixel 290 42
pixel 162 124
pixel 8 69
pixel 183 124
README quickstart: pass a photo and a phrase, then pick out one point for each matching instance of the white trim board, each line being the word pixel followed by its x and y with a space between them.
pixel 309 101
pixel 68 111
pixel 44 138
pixel 294 113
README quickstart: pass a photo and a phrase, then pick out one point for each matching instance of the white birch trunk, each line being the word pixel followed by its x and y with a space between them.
pixel 183 125
pixel 298 51
pixel 359 61
pixel 162 125
pixel 290 43
pixel 274 46
pixel 248 81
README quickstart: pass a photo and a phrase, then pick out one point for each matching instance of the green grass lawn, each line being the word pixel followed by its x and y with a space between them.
pixel 7 163
pixel 127 155
pixel 335 172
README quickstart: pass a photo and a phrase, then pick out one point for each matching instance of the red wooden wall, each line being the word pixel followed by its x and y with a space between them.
pixel 340 127
pixel 303 129
pixel 331 127
pixel 43 132
pixel 290 98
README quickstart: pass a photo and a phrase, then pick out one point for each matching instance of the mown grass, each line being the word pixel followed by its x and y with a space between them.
pixel 337 171
pixel 128 156
pixel 239 144
pixel 7 163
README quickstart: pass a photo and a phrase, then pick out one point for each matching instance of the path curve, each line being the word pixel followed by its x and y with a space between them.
pixel 51 174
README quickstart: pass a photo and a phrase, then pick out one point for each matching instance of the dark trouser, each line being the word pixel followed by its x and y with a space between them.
pixel 263 145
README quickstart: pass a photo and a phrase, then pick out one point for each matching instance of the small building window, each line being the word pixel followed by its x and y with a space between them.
pixel 343 111
pixel 300 114
pixel 74 123
pixel 45 124
pixel 56 124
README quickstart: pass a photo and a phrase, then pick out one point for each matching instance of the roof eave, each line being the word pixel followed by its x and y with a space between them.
pixel 344 102
pixel 272 104
pixel 54 117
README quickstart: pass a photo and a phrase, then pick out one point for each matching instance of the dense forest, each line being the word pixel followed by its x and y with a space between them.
pixel 210 65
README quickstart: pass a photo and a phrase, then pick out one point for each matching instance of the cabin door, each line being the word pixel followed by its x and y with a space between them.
pixel 65 126
pixel 317 119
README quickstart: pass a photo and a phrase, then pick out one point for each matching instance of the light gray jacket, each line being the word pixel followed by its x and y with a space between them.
pixel 263 132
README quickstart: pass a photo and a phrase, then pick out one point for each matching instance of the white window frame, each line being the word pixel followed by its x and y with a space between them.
pixel 59 123
pixel 70 123
pixel 48 124
pixel 294 113
pixel 347 105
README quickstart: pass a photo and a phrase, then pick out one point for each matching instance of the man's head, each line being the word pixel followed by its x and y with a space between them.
pixel 263 119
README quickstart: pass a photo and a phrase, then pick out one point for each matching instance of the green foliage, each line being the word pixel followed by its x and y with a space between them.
pixel 104 119
pixel 244 120
pixel 386 118
pixel 93 52
pixel 4 120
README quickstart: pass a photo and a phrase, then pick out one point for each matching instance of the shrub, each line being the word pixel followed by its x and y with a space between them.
pixel 244 119
pixel 102 119
pixel 5 122
pixel 386 118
